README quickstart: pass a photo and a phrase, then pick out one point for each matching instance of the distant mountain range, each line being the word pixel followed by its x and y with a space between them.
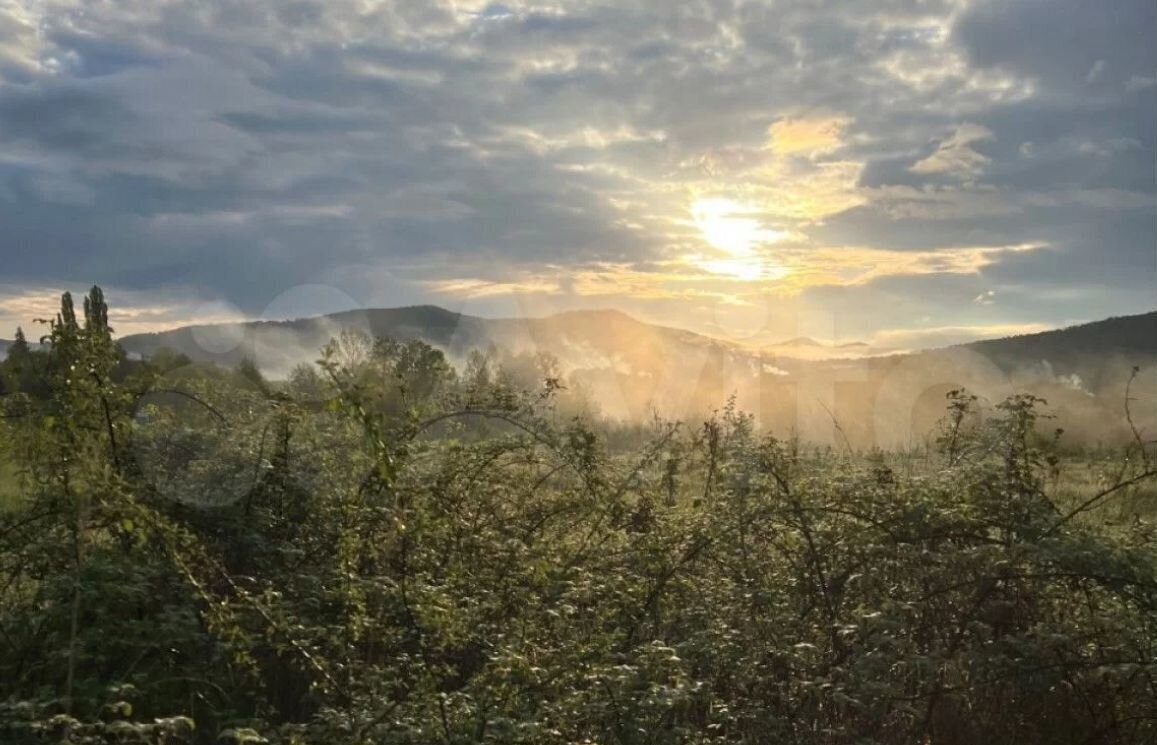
pixel 599 337
pixel 800 347
pixel 578 339
pixel 632 368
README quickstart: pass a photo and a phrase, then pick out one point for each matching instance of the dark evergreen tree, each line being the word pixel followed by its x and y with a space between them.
pixel 19 349
pixel 15 367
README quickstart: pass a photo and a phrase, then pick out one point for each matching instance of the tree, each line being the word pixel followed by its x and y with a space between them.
pixel 15 366
pixel 19 349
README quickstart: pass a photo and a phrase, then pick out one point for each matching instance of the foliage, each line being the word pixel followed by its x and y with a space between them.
pixel 385 550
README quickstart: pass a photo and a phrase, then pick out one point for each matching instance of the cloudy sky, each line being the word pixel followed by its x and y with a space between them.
pixel 895 171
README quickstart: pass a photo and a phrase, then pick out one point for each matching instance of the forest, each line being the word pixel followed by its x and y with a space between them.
pixel 387 548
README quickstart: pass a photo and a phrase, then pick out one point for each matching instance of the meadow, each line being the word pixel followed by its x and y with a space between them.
pixel 386 549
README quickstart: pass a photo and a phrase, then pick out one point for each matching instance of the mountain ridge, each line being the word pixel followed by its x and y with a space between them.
pixel 1128 333
pixel 634 369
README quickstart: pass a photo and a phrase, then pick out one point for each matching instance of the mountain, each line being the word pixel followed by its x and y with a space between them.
pixel 806 348
pixel 1123 336
pixel 625 364
pixel 767 343
pixel 633 369
pixel 1081 371
pixel 577 338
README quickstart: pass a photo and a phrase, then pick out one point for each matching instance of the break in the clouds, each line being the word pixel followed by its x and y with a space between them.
pixel 884 168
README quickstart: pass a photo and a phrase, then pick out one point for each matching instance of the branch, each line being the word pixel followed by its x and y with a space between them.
pixel 1129 418
pixel 195 399
pixel 1092 501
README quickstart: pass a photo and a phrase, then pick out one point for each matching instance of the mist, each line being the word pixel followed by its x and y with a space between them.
pixel 618 369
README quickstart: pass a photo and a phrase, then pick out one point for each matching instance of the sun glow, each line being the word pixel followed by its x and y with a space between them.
pixel 748 269
pixel 728 226
pixel 731 227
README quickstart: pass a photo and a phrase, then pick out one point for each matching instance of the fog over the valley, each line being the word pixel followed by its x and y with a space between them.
pixel 618 368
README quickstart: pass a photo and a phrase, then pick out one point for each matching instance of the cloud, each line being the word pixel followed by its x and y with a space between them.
pixel 807 135
pixel 1140 82
pixel 129 313
pixel 780 270
pixel 1095 71
pixel 20 40
pixel 466 152
pixel 1059 41
pixel 955 155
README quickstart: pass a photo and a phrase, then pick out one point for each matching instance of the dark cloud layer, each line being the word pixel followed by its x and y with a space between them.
pixel 190 151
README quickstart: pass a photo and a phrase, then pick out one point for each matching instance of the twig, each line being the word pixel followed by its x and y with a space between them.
pixel 839 428
pixel 1129 418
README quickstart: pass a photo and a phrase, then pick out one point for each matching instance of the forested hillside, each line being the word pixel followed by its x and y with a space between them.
pixel 631 370
pixel 1129 335
pixel 388 548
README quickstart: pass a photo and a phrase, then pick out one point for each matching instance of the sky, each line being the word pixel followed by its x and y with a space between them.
pixel 901 172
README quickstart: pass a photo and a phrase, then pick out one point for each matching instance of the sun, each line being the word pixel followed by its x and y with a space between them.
pixel 731 227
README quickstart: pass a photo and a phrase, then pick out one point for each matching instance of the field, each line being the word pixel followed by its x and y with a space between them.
pixel 389 550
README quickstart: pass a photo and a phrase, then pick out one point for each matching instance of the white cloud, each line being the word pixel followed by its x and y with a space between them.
pixel 955 155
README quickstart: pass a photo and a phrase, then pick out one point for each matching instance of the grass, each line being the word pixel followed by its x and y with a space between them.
pixel 1079 478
